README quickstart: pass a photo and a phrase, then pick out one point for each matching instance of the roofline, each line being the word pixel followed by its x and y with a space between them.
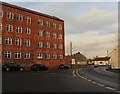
pixel 30 11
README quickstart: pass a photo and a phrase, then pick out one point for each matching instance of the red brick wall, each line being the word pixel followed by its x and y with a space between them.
pixel 33 49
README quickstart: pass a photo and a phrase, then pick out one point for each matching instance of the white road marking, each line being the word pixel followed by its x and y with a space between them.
pixel 93 81
pixel 118 91
pixel 74 73
pixel 110 88
pixel 100 84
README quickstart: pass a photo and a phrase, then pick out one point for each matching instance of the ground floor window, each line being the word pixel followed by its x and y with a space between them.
pixel 7 55
pixel 17 55
pixel 39 55
pixel 27 55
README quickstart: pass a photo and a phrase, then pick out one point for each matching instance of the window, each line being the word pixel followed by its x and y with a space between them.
pixel 0 40
pixel 9 28
pixel 18 42
pixel 10 15
pixel 7 55
pixel 40 33
pixel 27 42
pixel 60 27
pixel 0 26
pixel 47 56
pixel 54 26
pixel 27 31
pixel 17 55
pixel 27 55
pixel 28 19
pixel 60 46
pixel 40 44
pixel 8 41
pixel 40 22
pixel 54 35
pixel 39 55
pixel 19 17
pixel 54 45
pixel 47 45
pixel 19 29
pixel 54 56
pixel 60 56
pixel 0 55
pixel 1 13
pixel 60 36
pixel 47 24
pixel 47 34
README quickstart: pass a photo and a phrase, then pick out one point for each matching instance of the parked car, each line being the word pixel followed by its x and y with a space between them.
pixel 64 66
pixel 12 67
pixel 38 67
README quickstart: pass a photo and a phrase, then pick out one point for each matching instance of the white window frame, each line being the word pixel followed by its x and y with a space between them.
pixel 47 24
pixel 18 42
pixel 60 46
pixel 47 45
pixel 60 36
pixel 1 13
pixel 19 29
pixel 60 56
pixel 0 26
pixel 7 55
pixel 10 15
pixel 54 35
pixel 27 42
pixel 0 40
pixel 40 33
pixel 28 19
pixel 39 56
pixel 54 56
pixel 17 55
pixel 47 56
pixel 54 25
pixel 60 27
pixel 26 55
pixel 47 34
pixel 40 44
pixel 0 55
pixel 19 17
pixel 9 28
pixel 8 41
pixel 40 22
pixel 54 45
pixel 28 31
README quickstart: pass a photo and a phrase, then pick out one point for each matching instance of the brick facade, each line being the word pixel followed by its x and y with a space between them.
pixel 33 37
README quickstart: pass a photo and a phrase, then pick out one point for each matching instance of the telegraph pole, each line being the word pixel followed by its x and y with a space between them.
pixel 71 48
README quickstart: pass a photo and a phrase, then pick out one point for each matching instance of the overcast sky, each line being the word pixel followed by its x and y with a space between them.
pixel 92 27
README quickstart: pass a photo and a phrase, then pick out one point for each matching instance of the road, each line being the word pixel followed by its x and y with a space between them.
pixel 71 80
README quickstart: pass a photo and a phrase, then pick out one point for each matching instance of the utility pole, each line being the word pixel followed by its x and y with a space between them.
pixel 107 53
pixel 71 48
pixel 71 53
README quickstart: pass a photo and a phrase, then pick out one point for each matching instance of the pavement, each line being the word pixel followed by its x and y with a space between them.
pixel 68 80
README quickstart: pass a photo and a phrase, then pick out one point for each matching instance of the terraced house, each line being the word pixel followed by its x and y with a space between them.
pixel 29 37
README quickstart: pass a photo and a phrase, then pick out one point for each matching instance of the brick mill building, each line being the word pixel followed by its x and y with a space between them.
pixel 29 37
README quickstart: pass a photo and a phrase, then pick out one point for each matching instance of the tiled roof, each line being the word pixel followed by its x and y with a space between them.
pixel 30 11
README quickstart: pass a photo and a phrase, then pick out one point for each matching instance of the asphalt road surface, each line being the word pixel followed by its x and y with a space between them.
pixel 70 80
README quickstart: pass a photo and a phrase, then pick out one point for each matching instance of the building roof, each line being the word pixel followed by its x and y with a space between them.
pixel 30 11
pixel 101 59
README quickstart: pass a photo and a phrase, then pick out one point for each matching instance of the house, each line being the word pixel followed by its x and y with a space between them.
pixel 76 59
pixel 101 61
pixel 115 55
pixel 30 37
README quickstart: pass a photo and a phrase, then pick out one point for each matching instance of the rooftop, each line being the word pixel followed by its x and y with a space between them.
pixel 30 11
